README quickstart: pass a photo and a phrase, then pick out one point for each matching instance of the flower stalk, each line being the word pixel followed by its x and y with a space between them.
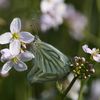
pixel 70 86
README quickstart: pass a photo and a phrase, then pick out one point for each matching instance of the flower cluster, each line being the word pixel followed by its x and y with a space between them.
pixel 54 12
pixel 76 22
pixel 15 56
pixel 81 68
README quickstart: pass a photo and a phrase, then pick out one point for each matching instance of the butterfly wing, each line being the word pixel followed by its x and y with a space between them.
pixel 50 63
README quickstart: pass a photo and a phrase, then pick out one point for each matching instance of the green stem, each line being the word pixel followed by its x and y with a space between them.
pixel 80 93
pixel 69 87
pixel 81 90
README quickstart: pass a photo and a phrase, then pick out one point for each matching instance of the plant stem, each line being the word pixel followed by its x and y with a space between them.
pixel 80 93
pixel 82 90
pixel 69 87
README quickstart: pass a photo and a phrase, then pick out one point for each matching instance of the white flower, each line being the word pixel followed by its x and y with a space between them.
pixel 14 61
pixel 48 22
pixel 15 37
pixel 95 53
pixel 53 13
pixel 49 5
pixel 77 22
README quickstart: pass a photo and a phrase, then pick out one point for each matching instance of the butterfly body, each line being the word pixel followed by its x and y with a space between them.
pixel 49 63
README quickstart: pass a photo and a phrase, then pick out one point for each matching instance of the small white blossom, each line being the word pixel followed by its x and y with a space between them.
pixel 53 13
pixel 14 61
pixel 95 53
pixel 49 5
pixel 48 22
pixel 77 22
pixel 16 37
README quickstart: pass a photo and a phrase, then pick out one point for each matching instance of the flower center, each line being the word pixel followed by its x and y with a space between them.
pixel 15 36
pixel 95 52
pixel 15 60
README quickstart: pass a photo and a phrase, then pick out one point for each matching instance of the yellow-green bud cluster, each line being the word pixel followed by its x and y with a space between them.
pixel 82 68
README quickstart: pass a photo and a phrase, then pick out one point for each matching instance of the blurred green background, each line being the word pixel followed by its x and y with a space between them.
pixel 15 86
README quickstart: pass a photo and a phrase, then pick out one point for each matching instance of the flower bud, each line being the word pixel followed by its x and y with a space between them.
pixel 81 68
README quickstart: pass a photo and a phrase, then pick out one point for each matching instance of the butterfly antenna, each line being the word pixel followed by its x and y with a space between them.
pixel 36 23
pixel 35 28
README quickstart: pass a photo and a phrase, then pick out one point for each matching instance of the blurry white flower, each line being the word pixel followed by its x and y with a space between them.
pixel 4 3
pixel 49 5
pixel 48 22
pixel 95 90
pixel 77 22
pixel 53 13
pixel 56 11
pixel 95 53
pixel 15 37
pixel 74 92
pixel 14 61
pixel 46 5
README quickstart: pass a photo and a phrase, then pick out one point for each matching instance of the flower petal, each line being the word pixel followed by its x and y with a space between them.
pixel 97 57
pixel 15 25
pixel 5 51
pixel 86 49
pixel 5 38
pixel 6 55
pixel 15 46
pixel 26 37
pixel 20 66
pixel 46 6
pixel 6 67
pixel 26 56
